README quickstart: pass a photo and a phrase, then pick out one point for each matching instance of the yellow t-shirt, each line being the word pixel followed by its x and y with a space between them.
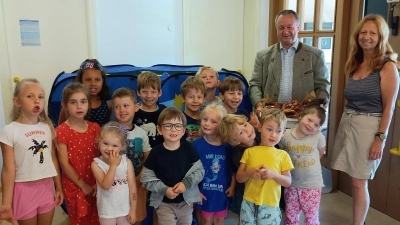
pixel 265 192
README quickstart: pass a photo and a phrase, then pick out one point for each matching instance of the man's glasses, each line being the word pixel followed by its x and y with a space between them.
pixel 168 126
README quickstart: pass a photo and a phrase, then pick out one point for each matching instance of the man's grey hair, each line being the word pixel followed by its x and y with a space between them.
pixel 287 12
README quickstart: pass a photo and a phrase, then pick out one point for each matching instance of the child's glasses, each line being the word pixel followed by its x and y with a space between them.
pixel 168 126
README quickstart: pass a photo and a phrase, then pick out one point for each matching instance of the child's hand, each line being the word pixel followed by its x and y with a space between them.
pixel 230 191
pixel 6 213
pixel 179 188
pixel 201 197
pixel 94 190
pixel 267 174
pixel 254 119
pixel 256 172
pixel 171 194
pixel 59 197
pixel 132 216
pixel 115 158
pixel 87 189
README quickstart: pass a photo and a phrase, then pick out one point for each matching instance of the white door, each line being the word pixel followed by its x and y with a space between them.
pixel 62 37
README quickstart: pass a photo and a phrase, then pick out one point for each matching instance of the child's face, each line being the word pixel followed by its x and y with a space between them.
pixel 77 105
pixel 30 99
pixel 125 109
pixel 93 80
pixel 209 122
pixel 149 96
pixel 209 79
pixel 309 124
pixel 232 100
pixel 194 100
pixel 244 133
pixel 110 142
pixel 169 131
pixel 271 133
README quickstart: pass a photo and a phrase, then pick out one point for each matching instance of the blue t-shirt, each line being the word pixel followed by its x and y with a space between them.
pixel 192 132
pixel 217 164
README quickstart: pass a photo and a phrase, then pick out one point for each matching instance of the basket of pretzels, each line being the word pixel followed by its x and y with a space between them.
pixel 291 109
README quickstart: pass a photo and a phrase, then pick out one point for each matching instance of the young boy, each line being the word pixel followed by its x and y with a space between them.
pixel 231 93
pixel 173 171
pixel 236 131
pixel 264 169
pixel 138 147
pixel 193 93
pixel 149 90
pixel 209 76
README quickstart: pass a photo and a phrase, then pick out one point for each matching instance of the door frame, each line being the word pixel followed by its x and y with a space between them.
pixel 5 81
pixel 5 70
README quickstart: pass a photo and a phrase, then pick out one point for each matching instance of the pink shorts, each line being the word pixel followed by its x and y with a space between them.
pixel 220 214
pixel 30 199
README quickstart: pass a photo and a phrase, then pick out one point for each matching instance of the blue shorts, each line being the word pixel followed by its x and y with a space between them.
pixel 251 213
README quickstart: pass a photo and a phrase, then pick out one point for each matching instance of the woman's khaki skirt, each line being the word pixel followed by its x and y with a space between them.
pixel 353 142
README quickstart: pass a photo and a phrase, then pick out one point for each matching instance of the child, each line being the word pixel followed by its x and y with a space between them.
pixel 231 93
pixel 30 165
pixel 305 145
pixel 193 93
pixel 218 185
pixel 264 169
pixel 172 171
pixel 115 178
pixel 149 90
pixel 209 76
pixel 236 131
pixel 76 150
pixel 92 74
pixel 138 148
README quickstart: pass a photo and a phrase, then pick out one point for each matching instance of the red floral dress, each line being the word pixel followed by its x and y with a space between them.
pixel 82 148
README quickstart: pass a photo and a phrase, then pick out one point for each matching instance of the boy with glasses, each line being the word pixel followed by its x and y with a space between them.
pixel 173 171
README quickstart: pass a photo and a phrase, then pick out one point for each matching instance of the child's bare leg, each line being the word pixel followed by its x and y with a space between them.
pixel 199 218
pixel 46 218
pixel 218 220
pixel 155 218
pixel 30 221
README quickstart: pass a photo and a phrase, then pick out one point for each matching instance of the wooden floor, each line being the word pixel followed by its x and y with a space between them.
pixel 336 208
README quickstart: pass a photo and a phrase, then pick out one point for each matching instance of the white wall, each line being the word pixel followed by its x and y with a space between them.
pixel 142 33
pixel 255 32
pixel 64 41
pixel 213 33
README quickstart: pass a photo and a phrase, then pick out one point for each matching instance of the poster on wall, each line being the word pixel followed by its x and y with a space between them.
pixel 30 34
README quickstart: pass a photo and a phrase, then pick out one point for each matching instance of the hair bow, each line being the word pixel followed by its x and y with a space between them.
pixel 125 129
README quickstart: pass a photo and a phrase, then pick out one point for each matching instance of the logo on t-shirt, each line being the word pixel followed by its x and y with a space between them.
pixel 38 148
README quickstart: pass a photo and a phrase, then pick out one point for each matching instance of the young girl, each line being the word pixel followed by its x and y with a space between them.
pixel 76 151
pixel 115 178
pixel 305 145
pixel 218 184
pixel 236 131
pixel 30 165
pixel 92 74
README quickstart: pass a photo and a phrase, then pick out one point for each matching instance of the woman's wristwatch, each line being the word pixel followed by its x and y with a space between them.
pixel 381 135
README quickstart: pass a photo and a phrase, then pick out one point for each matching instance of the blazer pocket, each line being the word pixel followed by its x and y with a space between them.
pixel 310 71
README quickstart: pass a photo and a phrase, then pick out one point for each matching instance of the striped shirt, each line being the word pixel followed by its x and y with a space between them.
pixel 365 95
pixel 285 91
